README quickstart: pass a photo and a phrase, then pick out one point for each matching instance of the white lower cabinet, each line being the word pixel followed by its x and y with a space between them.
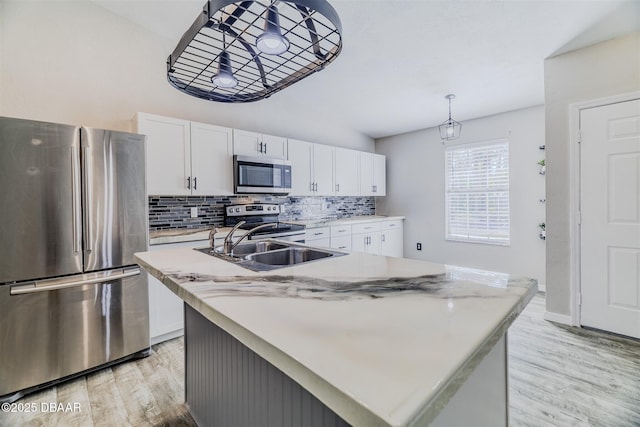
pixel 166 317
pixel 391 239
pixel 380 237
pixel 319 237
pixel 341 237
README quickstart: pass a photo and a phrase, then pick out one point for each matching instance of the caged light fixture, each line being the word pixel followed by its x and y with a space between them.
pixel 244 51
pixel 450 129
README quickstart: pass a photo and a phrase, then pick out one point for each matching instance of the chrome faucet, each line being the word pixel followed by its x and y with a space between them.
pixel 228 244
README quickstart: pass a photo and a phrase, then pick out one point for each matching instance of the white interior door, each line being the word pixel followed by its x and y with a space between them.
pixel 610 217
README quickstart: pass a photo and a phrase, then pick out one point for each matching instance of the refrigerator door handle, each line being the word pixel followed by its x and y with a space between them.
pixel 87 279
pixel 76 215
pixel 88 199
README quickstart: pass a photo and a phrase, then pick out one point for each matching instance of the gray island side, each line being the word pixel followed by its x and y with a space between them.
pixel 360 340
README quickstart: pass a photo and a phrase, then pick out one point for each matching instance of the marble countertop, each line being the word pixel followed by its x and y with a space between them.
pixel 326 222
pixel 382 341
pixel 161 237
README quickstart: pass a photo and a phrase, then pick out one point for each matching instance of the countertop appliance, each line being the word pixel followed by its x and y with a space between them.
pixel 73 211
pixel 255 175
pixel 255 214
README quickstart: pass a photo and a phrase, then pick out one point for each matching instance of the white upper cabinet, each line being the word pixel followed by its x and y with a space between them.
pixel 211 160
pixel 372 174
pixel 323 169
pixel 301 170
pixel 311 168
pixel 346 182
pixel 186 158
pixel 256 144
pixel 168 153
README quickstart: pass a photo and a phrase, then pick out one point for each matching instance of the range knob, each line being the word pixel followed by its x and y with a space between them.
pixel 237 209
pixel 230 210
pixel 268 208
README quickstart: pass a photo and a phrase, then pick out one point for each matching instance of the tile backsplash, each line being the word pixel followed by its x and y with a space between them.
pixel 166 212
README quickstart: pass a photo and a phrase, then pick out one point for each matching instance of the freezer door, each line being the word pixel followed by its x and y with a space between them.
pixel 114 195
pixel 40 200
pixel 59 327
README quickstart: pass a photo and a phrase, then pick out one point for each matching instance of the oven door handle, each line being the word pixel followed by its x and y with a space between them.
pixel 53 285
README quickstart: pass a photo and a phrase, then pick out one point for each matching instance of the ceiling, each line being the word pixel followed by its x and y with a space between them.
pixel 401 57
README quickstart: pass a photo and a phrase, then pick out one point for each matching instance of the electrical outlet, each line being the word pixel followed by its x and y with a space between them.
pixel 194 212
pixel 419 246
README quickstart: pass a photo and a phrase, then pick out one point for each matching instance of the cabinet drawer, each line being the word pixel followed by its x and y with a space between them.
pixel 340 230
pixel 341 242
pixel 391 225
pixel 316 233
pixel 366 227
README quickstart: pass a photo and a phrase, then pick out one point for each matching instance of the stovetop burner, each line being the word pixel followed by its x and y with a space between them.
pixel 256 214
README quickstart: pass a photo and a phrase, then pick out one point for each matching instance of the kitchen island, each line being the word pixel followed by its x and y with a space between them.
pixel 359 340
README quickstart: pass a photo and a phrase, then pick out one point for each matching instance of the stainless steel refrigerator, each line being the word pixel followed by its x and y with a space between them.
pixel 73 211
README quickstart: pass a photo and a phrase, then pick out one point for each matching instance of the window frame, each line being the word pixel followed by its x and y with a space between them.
pixel 486 238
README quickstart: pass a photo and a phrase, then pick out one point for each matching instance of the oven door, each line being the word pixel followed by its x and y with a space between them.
pixel 254 175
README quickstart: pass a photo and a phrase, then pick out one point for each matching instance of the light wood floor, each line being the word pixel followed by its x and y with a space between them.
pixel 559 376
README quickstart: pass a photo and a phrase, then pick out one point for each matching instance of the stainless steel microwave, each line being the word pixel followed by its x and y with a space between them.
pixel 255 175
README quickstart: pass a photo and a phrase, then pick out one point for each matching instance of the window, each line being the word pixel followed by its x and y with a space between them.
pixel 477 192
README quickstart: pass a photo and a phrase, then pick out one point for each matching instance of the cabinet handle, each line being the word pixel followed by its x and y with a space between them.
pixel 342 247
pixel 260 147
pixel 265 148
pixel 375 188
pixel 188 183
pixel 337 188
pixel 195 182
pixel 383 239
pixel 311 186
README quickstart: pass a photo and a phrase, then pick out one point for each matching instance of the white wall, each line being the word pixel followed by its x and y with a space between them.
pixel 75 62
pixel 415 188
pixel 598 71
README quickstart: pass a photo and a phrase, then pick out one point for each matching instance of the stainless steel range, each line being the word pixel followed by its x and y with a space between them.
pixel 255 214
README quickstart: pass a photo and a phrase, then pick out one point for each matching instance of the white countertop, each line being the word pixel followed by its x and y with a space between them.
pixel 382 341
pixel 161 237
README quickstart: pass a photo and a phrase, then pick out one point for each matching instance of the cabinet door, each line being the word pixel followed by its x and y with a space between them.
pixel 391 243
pixel 359 242
pixel 301 173
pixel 346 180
pixel 211 160
pixel 366 174
pixel 166 318
pixel 379 175
pixel 274 146
pixel 247 143
pixel 323 169
pixel 168 154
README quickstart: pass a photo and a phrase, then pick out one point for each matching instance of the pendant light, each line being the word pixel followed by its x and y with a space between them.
pixel 272 42
pixel 450 129
pixel 224 78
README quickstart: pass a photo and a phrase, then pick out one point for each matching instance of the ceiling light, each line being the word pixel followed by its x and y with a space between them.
pixel 450 129
pixel 256 33
pixel 272 41
pixel 224 78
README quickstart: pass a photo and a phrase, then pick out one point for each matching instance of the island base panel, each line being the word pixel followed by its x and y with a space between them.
pixel 227 384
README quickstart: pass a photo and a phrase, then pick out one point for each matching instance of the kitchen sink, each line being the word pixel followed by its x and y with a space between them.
pixel 265 255
pixel 257 247
pixel 289 256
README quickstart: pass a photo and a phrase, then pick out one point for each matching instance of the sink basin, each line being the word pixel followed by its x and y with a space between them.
pixel 265 255
pixel 257 247
pixel 289 256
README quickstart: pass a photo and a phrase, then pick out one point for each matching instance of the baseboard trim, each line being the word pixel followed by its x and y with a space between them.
pixel 558 318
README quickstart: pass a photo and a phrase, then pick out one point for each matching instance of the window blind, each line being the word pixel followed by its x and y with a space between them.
pixel 477 192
